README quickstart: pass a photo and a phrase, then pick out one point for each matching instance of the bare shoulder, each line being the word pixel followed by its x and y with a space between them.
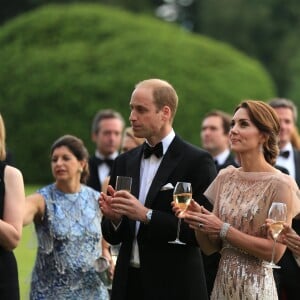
pixel 12 172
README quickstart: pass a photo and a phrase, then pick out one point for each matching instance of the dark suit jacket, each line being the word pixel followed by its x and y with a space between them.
pixel 168 271
pixel 93 179
pixel 230 161
pixel 289 274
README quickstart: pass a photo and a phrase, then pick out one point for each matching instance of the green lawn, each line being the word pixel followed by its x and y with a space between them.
pixel 25 254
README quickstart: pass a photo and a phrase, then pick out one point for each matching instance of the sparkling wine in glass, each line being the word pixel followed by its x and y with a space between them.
pixel 182 196
pixel 123 183
pixel 277 213
pixel 114 251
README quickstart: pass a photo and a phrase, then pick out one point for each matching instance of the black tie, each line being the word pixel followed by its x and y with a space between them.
pixel 108 161
pixel 284 154
pixel 157 150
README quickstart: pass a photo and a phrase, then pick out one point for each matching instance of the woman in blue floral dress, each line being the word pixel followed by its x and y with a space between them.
pixel 67 222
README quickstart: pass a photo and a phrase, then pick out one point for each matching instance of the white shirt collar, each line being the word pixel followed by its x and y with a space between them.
pixel 287 147
pixel 112 156
pixel 167 140
pixel 288 162
pixel 221 158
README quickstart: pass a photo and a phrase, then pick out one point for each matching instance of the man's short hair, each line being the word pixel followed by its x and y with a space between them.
pixel 105 114
pixel 284 103
pixel 225 117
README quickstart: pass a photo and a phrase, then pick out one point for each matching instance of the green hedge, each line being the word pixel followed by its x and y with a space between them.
pixel 61 63
pixel 294 89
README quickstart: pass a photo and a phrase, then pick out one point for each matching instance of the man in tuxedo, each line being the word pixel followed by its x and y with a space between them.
pixel 148 267
pixel 215 138
pixel 289 158
pixel 107 128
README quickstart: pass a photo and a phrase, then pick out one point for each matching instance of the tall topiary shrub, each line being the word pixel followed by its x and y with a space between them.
pixel 294 89
pixel 62 63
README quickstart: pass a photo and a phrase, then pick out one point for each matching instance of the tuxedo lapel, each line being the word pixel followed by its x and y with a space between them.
pixel 297 166
pixel 133 170
pixel 168 164
pixel 94 180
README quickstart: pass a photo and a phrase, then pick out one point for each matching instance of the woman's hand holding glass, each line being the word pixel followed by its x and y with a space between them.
pixel 201 219
pixel 207 227
pixel 288 237
pixel 291 239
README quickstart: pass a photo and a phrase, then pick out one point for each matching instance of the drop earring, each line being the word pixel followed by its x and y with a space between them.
pixel 261 148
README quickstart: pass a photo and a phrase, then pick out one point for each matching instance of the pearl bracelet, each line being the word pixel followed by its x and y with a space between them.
pixel 224 230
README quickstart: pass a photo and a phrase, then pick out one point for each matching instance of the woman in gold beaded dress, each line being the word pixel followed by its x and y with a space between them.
pixel 242 197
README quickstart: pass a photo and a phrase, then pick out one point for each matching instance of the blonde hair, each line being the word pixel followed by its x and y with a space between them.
pixel 2 139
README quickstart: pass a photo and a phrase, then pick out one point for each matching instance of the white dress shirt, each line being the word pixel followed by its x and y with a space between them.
pixel 288 163
pixel 221 158
pixel 148 171
pixel 104 169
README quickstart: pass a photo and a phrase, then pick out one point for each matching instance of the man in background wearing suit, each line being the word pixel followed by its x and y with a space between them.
pixel 107 128
pixel 289 158
pixel 215 139
pixel 148 267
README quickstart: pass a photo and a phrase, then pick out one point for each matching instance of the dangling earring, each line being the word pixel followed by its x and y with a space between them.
pixel 80 170
pixel 261 148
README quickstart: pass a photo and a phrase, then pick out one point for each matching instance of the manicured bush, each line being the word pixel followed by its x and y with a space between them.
pixel 294 89
pixel 62 63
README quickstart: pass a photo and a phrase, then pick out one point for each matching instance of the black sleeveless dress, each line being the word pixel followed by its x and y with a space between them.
pixel 9 283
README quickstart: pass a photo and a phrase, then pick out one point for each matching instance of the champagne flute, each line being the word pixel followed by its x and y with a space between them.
pixel 114 252
pixel 277 213
pixel 123 183
pixel 182 196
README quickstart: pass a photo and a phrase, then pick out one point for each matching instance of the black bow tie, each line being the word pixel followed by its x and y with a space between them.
pixel 100 161
pixel 285 154
pixel 157 150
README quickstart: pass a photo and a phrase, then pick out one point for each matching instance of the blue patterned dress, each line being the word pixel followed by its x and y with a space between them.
pixel 69 242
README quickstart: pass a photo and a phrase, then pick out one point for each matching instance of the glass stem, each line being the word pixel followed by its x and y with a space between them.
pixel 178 228
pixel 273 251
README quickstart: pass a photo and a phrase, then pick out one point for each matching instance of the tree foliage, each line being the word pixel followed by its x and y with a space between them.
pixel 267 30
pixel 62 63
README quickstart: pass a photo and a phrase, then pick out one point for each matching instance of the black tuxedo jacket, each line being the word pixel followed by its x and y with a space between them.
pixel 289 274
pixel 230 161
pixel 93 179
pixel 168 271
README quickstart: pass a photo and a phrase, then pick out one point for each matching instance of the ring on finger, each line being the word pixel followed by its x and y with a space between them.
pixel 200 225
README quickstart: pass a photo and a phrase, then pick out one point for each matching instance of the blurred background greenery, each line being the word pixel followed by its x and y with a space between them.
pixel 62 63
pixel 25 253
